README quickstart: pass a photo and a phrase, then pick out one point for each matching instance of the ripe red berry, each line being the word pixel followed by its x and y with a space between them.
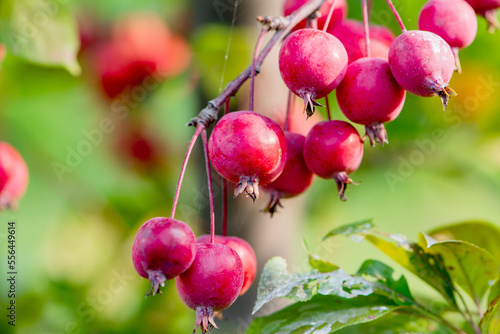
pixel 423 63
pixel 163 249
pixel 370 95
pixel 332 150
pixel 212 283
pixel 13 176
pixel 488 9
pixel 312 63
pixel 248 149
pixel 245 252
pixel 453 20
pixel 296 176
pixel 352 35
pixel 339 13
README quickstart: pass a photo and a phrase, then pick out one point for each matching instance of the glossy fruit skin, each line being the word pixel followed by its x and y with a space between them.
pixel 334 149
pixel 245 252
pixel 422 63
pixel 453 20
pixel 369 94
pixel 312 63
pixel 248 149
pixel 163 249
pixel 339 13
pixel 351 33
pixel 14 176
pixel 481 6
pixel 212 283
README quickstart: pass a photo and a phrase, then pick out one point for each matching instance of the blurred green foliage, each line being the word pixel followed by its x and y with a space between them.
pixel 75 230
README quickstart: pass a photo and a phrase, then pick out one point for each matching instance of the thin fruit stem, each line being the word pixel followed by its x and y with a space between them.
pixel 328 109
pixel 263 32
pixel 329 17
pixel 367 27
pixel 208 115
pixel 396 14
pixel 210 188
pixel 289 107
pixel 199 129
pixel 224 207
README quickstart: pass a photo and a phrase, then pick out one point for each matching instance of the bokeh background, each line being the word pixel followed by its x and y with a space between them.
pixel 75 226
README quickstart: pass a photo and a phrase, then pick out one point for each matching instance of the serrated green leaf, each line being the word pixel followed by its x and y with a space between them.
pixel 41 32
pixel 482 234
pixel 490 323
pixel 428 267
pixel 354 229
pixel 323 315
pixel 470 267
pixel 494 292
pixel 383 274
pixel 321 265
pixel 276 282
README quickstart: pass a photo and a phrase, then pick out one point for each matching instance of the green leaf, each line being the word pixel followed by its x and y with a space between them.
pixel 428 267
pixel 490 323
pixel 322 315
pixel 276 282
pixel 470 267
pixel 321 265
pixel 494 292
pixel 41 32
pixel 383 274
pixel 484 235
pixel 352 230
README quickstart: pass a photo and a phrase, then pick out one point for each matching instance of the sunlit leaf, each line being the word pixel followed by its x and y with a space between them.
pixel 41 32
pixel 276 282
pixel 428 267
pixel 470 267
pixel 322 315
pixel 397 290
pixel 490 323
pixel 484 235
pixel 353 229
pixel 321 265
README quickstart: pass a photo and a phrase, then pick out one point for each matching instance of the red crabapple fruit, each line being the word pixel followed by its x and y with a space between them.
pixel 370 95
pixel 212 283
pixel 488 9
pixel 312 63
pixel 352 35
pixel 13 176
pixel 245 252
pixel 163 249
pixel 295 178
pixel 248 149
pixel 339 13
pixel 332 150
pixel 453 20
pixel 423 63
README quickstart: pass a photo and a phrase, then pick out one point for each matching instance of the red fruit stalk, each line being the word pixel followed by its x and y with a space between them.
pixel 247 149
pixel 332 150
pixel 423 63
pixel 210 189
pixel 295 178
pixel 245 252
pixel 163 249
pixel 339 13
pixel 312 63
pixel 13 176
pixel 453 20
pixel 369 95
pixel 212 283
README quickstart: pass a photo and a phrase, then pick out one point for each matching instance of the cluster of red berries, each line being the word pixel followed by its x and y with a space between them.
pixel 371 70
